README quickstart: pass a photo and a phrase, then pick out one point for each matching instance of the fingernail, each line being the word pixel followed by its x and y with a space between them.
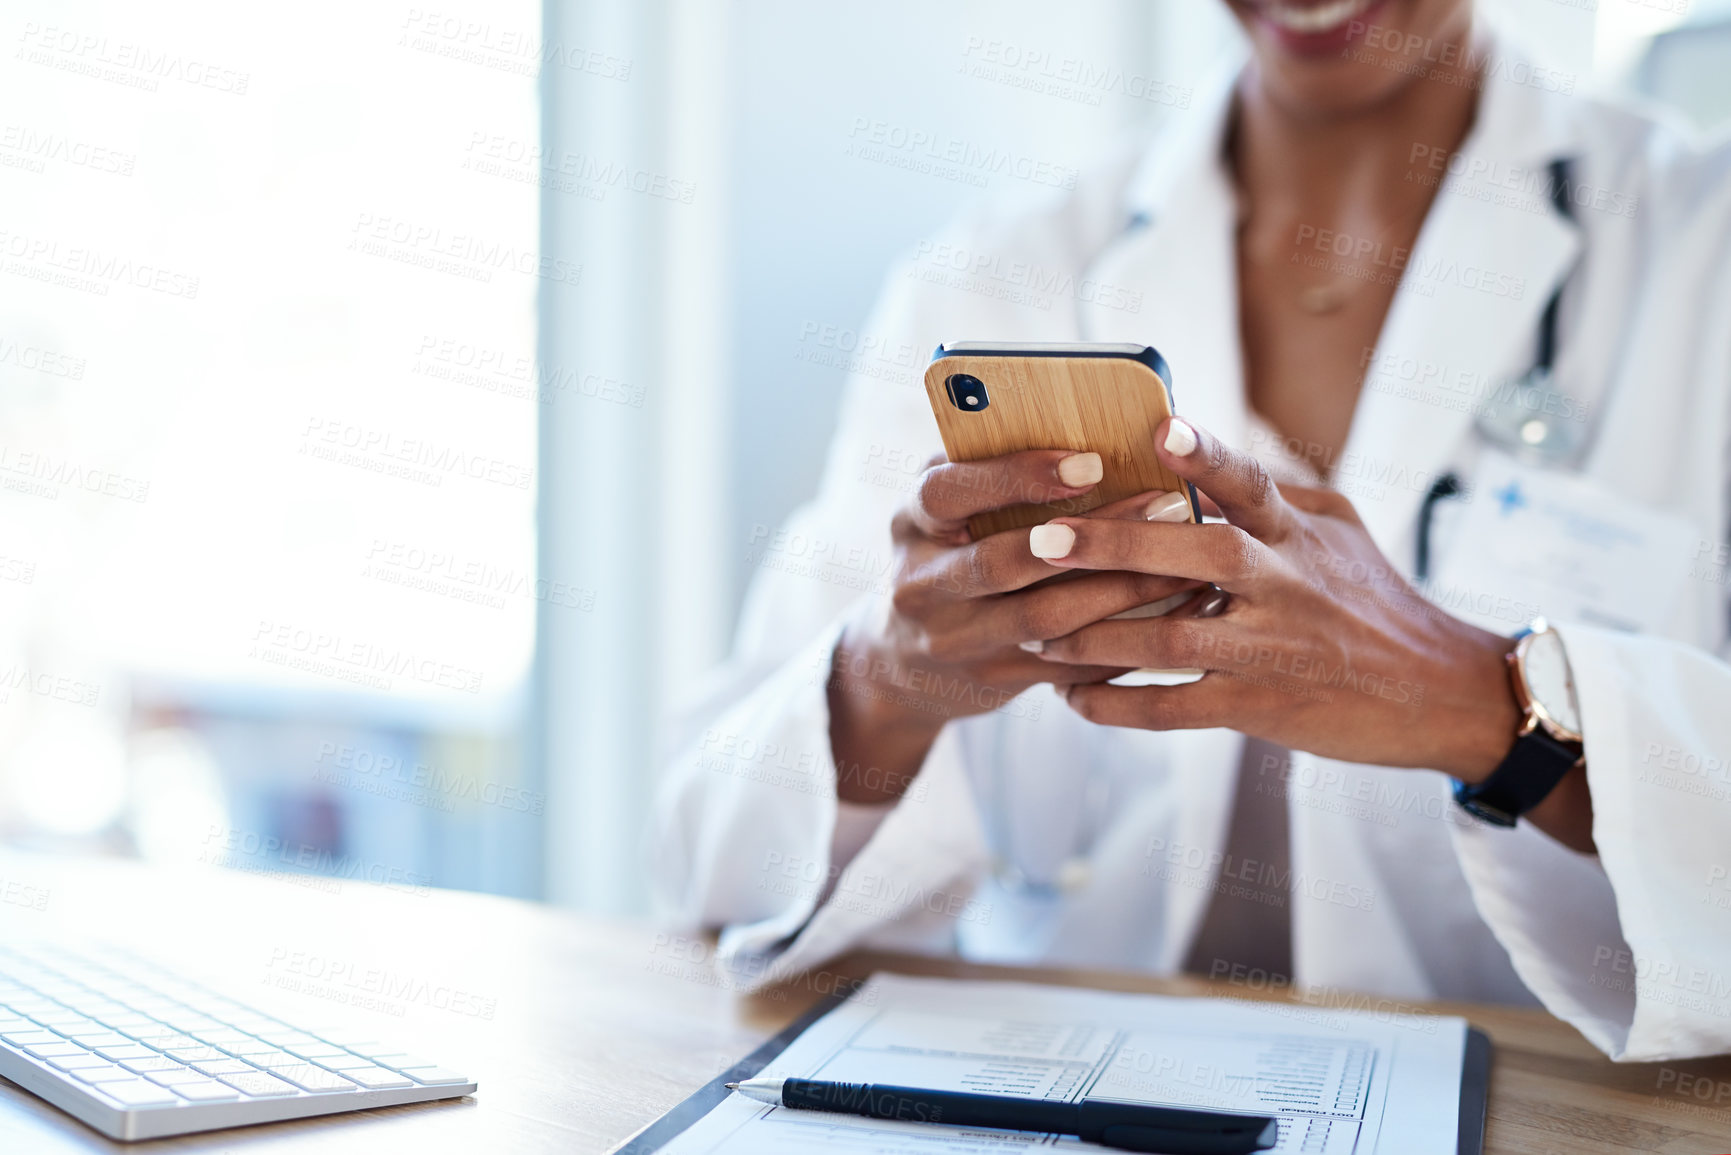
pixel 1180 439
pixel 1168 507
pixel 1051 541
pixel 1032 647
pixel 1081 469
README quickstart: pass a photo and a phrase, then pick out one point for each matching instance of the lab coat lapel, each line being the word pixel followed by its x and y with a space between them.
pixel 1464 319
pixel 1177 268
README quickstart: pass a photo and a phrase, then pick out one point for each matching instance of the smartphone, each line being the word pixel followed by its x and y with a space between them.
pixel 992 398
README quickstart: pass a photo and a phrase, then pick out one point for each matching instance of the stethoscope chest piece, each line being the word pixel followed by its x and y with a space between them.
pixel 1532 422
pixel 1530 418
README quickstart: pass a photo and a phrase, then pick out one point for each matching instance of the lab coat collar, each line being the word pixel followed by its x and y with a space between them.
pixel 1487 261
pixel 1192 147
pixel 1464 317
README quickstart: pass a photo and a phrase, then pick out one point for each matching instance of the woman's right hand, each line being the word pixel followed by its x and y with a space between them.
pixel 957 634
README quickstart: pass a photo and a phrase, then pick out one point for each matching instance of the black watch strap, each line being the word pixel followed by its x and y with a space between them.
pixel 1534 766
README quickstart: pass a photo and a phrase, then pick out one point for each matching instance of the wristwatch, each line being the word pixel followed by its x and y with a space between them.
pixel 1547 746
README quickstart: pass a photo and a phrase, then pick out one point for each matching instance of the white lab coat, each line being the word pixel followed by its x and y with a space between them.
pixel 1033 836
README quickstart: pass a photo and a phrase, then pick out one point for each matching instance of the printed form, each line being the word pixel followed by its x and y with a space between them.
pixel 1340 1082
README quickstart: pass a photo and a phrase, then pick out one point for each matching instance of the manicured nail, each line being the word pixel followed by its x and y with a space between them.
pixel 1051 541
pixel 1168 507
pixel 1180 439
pixel 1032 647
pixel 1081 469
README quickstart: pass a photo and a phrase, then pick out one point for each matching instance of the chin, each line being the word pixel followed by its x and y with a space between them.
pixel 1338 57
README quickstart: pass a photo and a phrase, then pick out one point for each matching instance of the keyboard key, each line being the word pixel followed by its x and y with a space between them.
pixel 221 1066
pixel 288 1038
pixel 317 1051
pixel 346 1063
pixel 205 1091
pixel 170 1078
pixel 310 1078
pixel 134 1030
pixel 435 1076
pixel 352 1040
pixel 376 1078
pixel 165 1040
pixel 258 1084
pixel 103 1010
pixel 73 1062
pixel 400 1062
pixel 279 1059
pixel 138 1093
pixel 148 1063
pixel 53 1050
pixel 126 1051
pixel 253 1047
pixel 96 1040
pixel 32 1038
pixel 108 1073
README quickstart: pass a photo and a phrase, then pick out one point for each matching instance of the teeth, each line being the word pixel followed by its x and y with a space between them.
pixel 1311 20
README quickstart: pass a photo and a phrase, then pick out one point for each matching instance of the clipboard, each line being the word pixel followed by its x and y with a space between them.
pixel 1474 1105
pixel 707 1097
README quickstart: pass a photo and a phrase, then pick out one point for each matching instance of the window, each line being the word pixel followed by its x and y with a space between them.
pixel 268 403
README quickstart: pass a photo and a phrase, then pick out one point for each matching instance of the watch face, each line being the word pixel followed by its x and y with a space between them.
pixel 1550 683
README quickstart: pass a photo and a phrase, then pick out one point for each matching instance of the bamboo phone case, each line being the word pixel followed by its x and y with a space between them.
pixel 991 399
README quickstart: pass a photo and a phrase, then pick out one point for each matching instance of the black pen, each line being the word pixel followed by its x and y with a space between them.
pixel 1127 1126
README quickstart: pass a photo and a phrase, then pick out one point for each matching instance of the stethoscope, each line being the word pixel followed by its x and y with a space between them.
pixel 1517 419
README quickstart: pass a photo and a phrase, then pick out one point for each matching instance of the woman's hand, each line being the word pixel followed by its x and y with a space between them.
pixel 1323 647
pixel 945 643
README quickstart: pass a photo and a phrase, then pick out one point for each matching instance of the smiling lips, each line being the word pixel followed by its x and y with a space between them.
pixel 1313 19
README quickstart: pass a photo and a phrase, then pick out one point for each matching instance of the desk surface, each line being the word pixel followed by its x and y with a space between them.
pixel 580 1031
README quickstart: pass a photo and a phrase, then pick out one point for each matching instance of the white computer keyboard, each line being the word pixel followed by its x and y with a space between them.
pixel 138 1053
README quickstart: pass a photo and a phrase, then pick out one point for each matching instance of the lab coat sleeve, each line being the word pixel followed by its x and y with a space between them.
pixel 749 830
pixel 1633 948
pixel 746 817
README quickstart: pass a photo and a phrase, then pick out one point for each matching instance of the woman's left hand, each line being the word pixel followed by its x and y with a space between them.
pixel 1323 646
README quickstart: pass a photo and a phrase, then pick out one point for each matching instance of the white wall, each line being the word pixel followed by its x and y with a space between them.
pixel 814 224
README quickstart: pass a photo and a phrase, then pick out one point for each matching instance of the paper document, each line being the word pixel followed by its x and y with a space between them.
pixel 1339 1081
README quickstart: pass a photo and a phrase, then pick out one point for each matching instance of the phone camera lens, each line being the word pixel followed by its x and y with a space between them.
pixel 967 392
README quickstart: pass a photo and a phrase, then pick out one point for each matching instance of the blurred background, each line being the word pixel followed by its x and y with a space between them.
pixel 388 394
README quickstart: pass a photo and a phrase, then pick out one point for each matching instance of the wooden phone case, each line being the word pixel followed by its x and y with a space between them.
pixel 1108 402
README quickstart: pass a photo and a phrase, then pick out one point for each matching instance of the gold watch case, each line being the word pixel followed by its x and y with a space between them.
pixel 1533 710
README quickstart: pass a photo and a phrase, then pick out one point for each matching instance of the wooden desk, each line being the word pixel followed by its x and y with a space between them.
pixel 581 1031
